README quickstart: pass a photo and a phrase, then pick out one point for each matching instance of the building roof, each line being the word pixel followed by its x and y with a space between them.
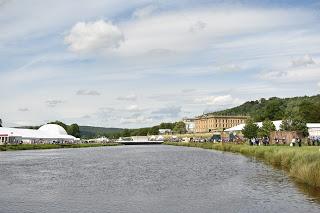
pixel 221 116
pixel 53 129
pixel 48 131
pixel 241 126
pixel 313 125
pixel 276 123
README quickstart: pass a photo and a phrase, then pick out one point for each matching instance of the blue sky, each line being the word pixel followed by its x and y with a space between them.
pixel 138 63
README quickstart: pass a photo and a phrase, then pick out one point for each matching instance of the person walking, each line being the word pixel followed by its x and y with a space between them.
pixel 299 141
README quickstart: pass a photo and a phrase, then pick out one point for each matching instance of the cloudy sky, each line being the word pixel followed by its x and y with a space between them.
pixel 140 62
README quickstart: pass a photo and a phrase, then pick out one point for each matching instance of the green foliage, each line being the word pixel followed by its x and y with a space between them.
pixel 250 130
pixel 93 132
pixel 266 129
pixel 180 127
pixel 167 126
pixel 295 124
pixel 306 108
pixel 74 130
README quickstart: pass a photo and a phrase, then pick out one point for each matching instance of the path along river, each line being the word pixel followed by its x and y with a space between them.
pixel 150 179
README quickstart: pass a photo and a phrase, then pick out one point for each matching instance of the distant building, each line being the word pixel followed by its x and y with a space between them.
pixel 165 131
pixel 47 134
pixel 211 123
pixel 314 129
pixel 190 124
pixel 240 127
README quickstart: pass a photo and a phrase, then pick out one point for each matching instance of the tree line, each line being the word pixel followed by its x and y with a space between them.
pixel 306 109
pixel 176 127
pixel 252 130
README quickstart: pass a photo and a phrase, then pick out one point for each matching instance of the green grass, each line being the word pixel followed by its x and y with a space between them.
pixel 49 146
pixel 301 163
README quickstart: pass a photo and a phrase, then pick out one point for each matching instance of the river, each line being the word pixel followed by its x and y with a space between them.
pixel 150 179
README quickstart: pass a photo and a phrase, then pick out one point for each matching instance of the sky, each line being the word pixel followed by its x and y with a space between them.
pixel 137 63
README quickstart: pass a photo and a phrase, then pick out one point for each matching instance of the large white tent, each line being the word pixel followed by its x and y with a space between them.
pixel 48 133
pixel 241 126
pixel 313 128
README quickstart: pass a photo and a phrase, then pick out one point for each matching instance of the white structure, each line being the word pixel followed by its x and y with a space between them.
pixel 314 129
pixel 241 126
pixel 49 133
pixel 190 124
pixel 99 140
pixel 165 131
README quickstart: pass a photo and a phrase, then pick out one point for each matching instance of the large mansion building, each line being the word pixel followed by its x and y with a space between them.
pixel 210 123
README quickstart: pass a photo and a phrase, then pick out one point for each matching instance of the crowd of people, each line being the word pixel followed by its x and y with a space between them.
pixel 260 141
pixel 314 141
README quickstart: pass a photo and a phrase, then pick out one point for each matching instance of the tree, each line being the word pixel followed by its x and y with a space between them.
pixel 294 124
pixel 126 133
pixel 267 128
pixel 74 130
pixel 154 130
pixel 250 130
pixel 166 126
pixel 180 127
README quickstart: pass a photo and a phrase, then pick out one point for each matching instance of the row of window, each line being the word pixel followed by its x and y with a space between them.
pixel 4 139
pixel 232 121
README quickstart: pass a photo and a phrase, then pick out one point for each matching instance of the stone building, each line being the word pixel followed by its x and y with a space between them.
pixel 210 123
pixel 190 124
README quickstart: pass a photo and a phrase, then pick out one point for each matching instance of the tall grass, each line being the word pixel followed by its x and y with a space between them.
pixel 49 146
pixel 301 163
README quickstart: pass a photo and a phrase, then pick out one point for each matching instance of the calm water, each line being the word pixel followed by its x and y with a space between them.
pixel 146 179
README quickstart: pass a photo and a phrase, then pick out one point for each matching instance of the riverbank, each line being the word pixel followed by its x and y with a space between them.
pixel 50 146
pixel 301 163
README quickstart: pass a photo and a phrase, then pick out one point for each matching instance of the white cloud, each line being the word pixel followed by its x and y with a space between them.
pixel 87 37
pixel 131 97
pixel 303 61
pixel 198 26
pixel 23 109
pixel 175 30
pixel 133 108
pixel 139 119
pixel 53 103
pixel 299 74
pixel 302 69
pixel 168 112
pixel 218 100
pixel 144 12
pixel 88 92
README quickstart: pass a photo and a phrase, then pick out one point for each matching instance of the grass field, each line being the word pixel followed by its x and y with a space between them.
pixel 301 163
pixel 49 146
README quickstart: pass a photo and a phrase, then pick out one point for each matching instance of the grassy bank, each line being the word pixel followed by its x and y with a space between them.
pixel 49 146
pixel 301 163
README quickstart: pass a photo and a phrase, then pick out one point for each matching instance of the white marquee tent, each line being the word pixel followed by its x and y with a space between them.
pixel 46 134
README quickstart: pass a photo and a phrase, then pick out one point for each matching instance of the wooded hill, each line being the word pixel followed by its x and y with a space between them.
pixel 305 108
pixel 92 131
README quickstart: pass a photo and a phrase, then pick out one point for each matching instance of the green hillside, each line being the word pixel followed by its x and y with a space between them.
pixel 305 108
pixel 91 131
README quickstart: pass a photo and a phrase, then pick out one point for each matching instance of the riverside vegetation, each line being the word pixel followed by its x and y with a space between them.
pixel 301 163
pixel 50 146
